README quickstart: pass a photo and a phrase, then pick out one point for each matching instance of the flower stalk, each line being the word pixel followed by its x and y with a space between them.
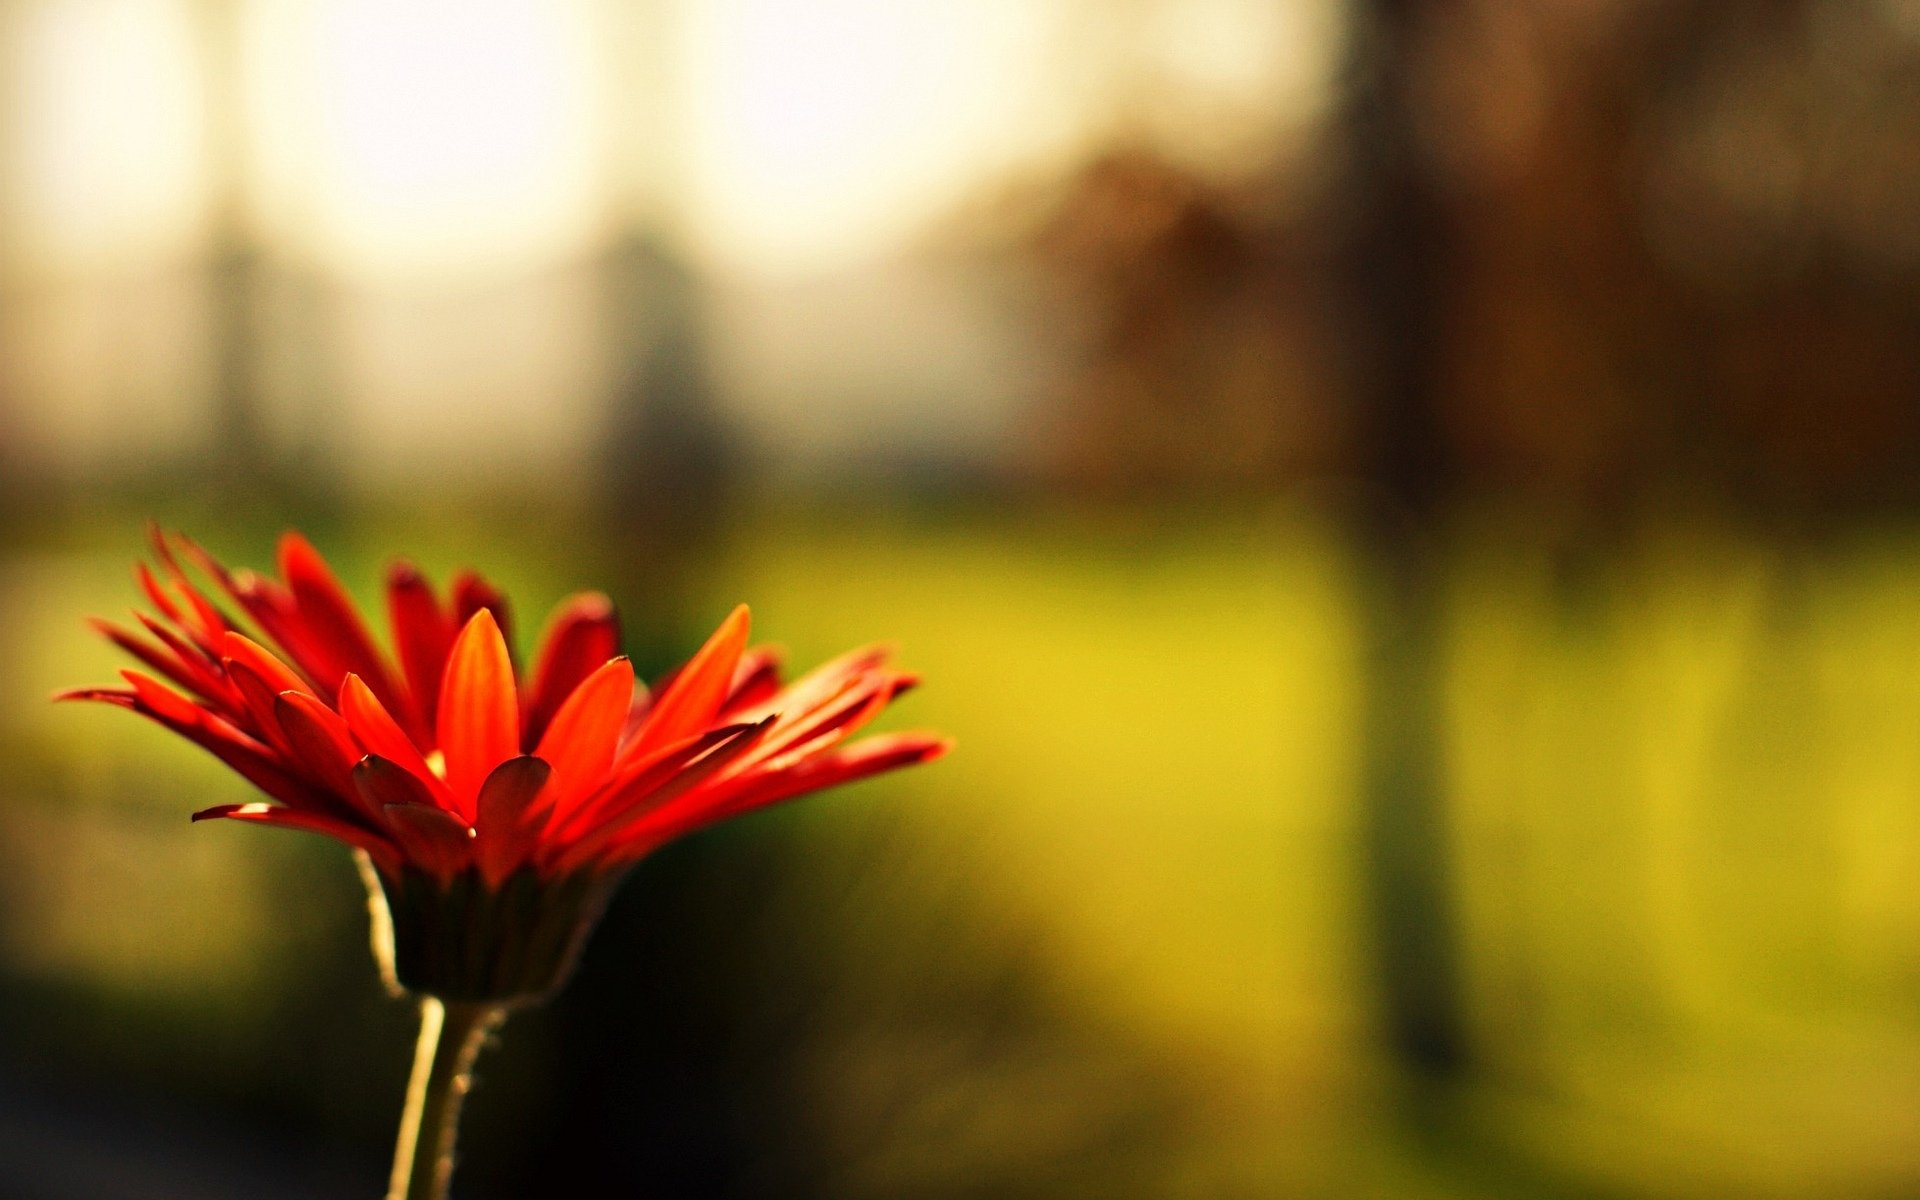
pixel 451 1035
pixel 492 809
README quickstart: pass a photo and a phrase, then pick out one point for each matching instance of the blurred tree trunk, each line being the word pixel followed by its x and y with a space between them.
pixel 648 1034
pixel 237 446
pixel 1396 272
pixel 646 1038
pixel 664 465
pixel 664 458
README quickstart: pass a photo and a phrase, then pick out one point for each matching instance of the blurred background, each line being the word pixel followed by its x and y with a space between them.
pixel 1411 510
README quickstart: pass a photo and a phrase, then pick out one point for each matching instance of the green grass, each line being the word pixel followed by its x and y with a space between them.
pixel 1684 793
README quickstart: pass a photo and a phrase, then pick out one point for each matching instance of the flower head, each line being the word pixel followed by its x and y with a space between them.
pixel 480 792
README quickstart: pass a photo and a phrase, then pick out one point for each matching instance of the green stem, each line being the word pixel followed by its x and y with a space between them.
pixel 450 1039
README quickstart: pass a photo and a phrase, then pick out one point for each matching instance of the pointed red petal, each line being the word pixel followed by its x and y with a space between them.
pixel 503 833
pixel 583 635
pixel 379 734
pixel 430 838
pixel 270 605
pixel 382 783
pixel 183 673
pixel 164 701
pixel 647 796
pixel 874 755
pixel 317 739
pixel 585 732
pixel 692 700
pixel 379 847
pixel 755 681
pixel 201 620
pixel 237 648
pixel 259 698
pixel 272 608
pixel 335 632
pixel 824 682
pixel 479 725
pixel 118 697
pixel 254 762
pixel 422 635
pixel 471 593
pixel 832 722
pixel 195 660
pixel 579 816
pixel 156 593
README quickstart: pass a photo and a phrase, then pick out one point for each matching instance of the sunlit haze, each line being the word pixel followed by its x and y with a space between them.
pixel 423 138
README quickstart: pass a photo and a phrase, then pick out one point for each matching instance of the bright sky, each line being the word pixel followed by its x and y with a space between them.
pixel 104 117
pixel 415 150
pixel 462 137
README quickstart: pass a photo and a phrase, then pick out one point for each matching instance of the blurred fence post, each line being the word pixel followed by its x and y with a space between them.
pixel 237 444
pixel 644 1033
pixel 1394 268
pixel 664 457
pixel 273 318
pixel 663 463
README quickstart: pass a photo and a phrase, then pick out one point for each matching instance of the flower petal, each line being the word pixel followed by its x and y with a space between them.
pixel 270 604
pixel 422 635
pixel 382 783
pixel 797 737
pixel 503 834
pixel 179 669
pixel 581 741
pixel 642 801
pixel 260 700
pixel 823 683
pixel 238 648
pixel 583 636
pixel 192 657
pixel 335 632
pixel 156 593
pixel 379 734
pixel 272 608
pixel 318 740
pixel 430 838
pixel 576 816
pixel 692 700
pixel 479 725
pixel 164 701
pixel 379 847
pixel 472 593
pixel 252 761
pixel 118 697
pixel 201 620
pixel 871 756
pixel 755 681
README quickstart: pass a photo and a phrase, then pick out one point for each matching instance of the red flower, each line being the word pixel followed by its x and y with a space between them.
pixel 453 770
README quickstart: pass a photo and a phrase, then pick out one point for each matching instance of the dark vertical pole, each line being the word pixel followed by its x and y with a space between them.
pixel 649 1031
pixel 1396 273
pixel 649 1034
pixel 237 442
pixel 664 463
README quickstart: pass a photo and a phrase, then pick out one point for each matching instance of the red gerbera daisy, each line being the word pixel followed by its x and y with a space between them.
pixel 458 774
pixel 493 810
